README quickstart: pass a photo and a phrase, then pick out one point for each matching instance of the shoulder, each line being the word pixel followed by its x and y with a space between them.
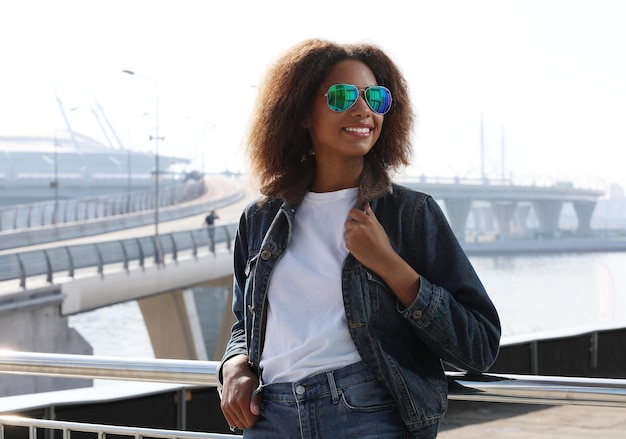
pixel 407 202
pixel 260 211
pixel 262 206
pixel 403 195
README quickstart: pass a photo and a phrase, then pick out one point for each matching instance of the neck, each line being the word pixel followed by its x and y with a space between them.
pixel 335 178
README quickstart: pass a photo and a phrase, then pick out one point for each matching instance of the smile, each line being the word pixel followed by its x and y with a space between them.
pixel 359 130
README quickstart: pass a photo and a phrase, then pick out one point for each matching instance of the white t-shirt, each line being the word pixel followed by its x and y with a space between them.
pixel 307 332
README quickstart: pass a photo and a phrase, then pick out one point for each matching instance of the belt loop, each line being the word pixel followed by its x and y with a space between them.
pixel 333 387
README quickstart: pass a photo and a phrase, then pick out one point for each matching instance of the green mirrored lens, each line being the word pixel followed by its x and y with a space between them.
pixel 378 98
pixel 340 97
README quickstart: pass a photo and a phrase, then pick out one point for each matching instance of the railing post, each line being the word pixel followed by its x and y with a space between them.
pixel 15 216
pixel 141 255
pixel 125 253
pixel 100 260
pixel 534 357
pixel 194 245
pixel 594 346
pixel 48 267
pixel 158 253
pixel 70 262
pixel 174 247
pixel 28 216
pixel 22 271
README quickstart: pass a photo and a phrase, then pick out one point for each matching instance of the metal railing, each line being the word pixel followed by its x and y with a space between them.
pixel 101 430
pixel 528 182
pixel 184 201
pixel 485 388
pixel 47 213
pixel 65 261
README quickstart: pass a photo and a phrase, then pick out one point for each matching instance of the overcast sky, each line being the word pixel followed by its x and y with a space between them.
pixel 547 76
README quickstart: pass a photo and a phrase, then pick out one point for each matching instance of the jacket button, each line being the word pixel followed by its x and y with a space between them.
pixel 266 254
pixel 417 314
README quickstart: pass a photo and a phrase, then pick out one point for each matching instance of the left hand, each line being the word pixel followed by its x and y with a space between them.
pixel 367 240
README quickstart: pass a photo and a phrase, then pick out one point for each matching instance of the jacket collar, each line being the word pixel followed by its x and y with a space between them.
pixel 375 182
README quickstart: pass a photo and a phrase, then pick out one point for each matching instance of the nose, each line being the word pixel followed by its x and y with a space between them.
pixel 361 107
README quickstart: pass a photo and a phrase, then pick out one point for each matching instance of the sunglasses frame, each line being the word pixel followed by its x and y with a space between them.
pixel 359 90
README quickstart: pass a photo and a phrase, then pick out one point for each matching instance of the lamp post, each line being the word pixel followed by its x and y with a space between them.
pixel 55 183
pixel 156 139
pixel 128 151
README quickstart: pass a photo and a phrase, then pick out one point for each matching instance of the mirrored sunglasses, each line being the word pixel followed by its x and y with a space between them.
pixel 341 97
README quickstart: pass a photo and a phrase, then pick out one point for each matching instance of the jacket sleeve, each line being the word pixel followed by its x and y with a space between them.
pixel 452 314
pixel 237 343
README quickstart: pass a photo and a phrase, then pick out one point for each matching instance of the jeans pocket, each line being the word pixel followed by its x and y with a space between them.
pixel 367 396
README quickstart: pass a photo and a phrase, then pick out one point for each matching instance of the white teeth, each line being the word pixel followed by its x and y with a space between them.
pixel 358 130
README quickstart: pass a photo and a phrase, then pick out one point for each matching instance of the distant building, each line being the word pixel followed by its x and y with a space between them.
pixel 78 165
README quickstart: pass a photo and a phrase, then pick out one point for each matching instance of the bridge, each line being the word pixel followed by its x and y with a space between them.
pixel 182 283
pixel 509 203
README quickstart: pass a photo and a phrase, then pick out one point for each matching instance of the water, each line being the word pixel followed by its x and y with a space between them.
pixel 556 293
pixel 533 294
pixel 117 330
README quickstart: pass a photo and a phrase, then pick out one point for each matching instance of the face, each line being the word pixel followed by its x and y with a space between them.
pixel 348 135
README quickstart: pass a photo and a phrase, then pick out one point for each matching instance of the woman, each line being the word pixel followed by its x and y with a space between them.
pixel 350 291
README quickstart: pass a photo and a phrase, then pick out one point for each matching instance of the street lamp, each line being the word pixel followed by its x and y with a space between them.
pixel 55 183
pixel 128 150
pixel 156 139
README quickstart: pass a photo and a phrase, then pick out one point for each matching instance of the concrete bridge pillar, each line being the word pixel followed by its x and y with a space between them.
pixel 190 324
pixel 483 218
pixel 521 216
pixel 31 321
pixel 548 212
pixel 170 321
pixel 458 210
pixel 503 211
pixel 584 211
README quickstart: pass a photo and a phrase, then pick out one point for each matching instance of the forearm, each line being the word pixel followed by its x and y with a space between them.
pixel 401 278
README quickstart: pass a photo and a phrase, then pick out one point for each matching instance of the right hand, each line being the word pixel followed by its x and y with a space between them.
pixel 238 406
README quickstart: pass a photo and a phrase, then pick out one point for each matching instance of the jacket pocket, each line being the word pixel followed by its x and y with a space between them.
pixel 382 306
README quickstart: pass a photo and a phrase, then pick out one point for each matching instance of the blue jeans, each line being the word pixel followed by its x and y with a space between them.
pixel 346 403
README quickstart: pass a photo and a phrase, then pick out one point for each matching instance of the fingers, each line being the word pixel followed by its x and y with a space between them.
pixel 368 210
pixel 237 395
pixel 360 216
pixel 255 403
pixel 241 412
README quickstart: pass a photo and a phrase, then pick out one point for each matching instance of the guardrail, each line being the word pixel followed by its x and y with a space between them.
pixel 594 184
pixel 101 430
pixel 486 388
pixel 66 260
pixel 49 213
pixel 176 208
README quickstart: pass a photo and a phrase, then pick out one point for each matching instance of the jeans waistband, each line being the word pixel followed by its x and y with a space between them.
pixel 318 385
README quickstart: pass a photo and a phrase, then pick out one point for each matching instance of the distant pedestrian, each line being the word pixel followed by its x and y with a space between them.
pixel 209 222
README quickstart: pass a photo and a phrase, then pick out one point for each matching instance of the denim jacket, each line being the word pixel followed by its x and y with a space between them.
pixel 451 320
